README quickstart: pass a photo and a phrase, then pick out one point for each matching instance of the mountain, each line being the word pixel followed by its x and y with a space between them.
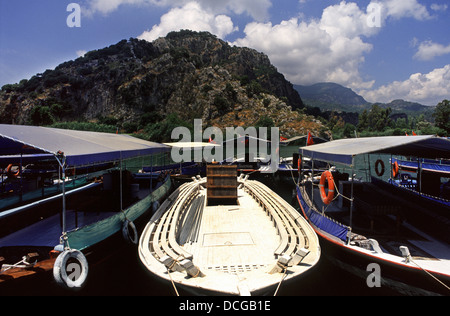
pixel 331 96
pixel 136 84
pixel 410 108
pixel 334 97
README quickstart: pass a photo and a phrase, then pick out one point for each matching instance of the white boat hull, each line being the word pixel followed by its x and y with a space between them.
pixel 237 249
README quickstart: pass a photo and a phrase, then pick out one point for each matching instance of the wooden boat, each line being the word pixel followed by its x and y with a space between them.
pixel 365 223
pixel 56 232
pixel 225 235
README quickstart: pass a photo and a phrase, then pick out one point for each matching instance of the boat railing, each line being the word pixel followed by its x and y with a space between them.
pixel 293 238
pixel 164 242
pixel 320 219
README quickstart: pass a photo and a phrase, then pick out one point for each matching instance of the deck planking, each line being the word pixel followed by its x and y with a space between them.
pixel 234 235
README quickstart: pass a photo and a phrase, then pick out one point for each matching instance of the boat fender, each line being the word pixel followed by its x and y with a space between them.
pixel 78 268
pixel 155 206
pixel 326 198
pixel 379 163
pixel 395 169
pixel 129 232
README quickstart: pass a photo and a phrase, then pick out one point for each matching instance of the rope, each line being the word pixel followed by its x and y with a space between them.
pixel 170 276
pixel 442 283
pixel 173 283
pixel 282 278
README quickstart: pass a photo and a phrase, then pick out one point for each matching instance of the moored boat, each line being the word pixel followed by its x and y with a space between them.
pixel 364 223
pixel 423 179
pixel 55 233
pixel 224 235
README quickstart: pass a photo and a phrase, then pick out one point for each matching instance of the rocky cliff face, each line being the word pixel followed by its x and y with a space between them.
pixel 134 82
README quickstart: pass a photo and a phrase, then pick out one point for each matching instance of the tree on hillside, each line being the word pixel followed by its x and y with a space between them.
pixel 442 115
pixel 376 120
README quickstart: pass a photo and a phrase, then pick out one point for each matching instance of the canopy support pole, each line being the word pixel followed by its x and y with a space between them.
pixel 419 175
pixel 312 180
pixel 151 174
pixel 21 178
pixel 61 159
pixel 352 197
pixel 121 184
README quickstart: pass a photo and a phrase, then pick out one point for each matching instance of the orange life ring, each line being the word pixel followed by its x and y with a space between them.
pixel 326 198
pixel 10 173
pixel 379 163
pixel 395 169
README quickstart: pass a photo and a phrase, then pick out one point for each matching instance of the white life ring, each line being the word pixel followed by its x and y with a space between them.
pixel 78 268
pixel 131 236
pixel 155 206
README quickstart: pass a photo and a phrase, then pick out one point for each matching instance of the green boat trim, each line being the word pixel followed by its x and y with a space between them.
pixel 87 236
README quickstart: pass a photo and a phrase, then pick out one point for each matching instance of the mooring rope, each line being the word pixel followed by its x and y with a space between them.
pixel 173 283
pixel 282 278
pixel 435 278
pixel 170 276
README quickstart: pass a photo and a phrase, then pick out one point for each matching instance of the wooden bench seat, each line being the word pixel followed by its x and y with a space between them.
pixel 164 235
pixel 293 238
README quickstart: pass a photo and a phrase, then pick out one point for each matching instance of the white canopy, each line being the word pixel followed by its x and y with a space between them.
pixel 343 150
pixel 79 147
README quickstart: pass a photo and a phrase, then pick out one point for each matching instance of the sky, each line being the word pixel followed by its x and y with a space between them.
pixel 382 49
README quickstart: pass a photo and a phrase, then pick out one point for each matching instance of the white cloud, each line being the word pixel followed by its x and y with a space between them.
pixel 428 50
pixel 429 89
pixel 439 7
pixel 107 6
pixel 258 9
pixel 404 8
pixel 81 53
pixel 191 16
pixel 331 48
pixel 326 49
pixel 346 19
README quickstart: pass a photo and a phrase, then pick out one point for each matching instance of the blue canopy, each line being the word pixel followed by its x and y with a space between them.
pixel 343 150
pixel 79 147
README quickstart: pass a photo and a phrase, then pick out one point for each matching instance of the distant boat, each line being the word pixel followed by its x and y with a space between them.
pixel 304 140
pixel 186 169
pixel 423 179
pixel 366 225
pixel 289 167
pixel 248 161
pixel 224 235
pixel 99 197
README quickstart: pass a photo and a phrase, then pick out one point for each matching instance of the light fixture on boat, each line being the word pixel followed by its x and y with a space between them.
pixel 405 253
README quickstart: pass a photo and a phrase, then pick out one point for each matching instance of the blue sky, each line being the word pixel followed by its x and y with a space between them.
pixel 382 49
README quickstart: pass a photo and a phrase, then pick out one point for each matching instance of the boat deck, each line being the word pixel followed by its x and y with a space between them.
pixel 233 237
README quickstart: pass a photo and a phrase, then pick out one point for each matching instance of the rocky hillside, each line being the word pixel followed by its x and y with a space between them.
pixel 135 84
